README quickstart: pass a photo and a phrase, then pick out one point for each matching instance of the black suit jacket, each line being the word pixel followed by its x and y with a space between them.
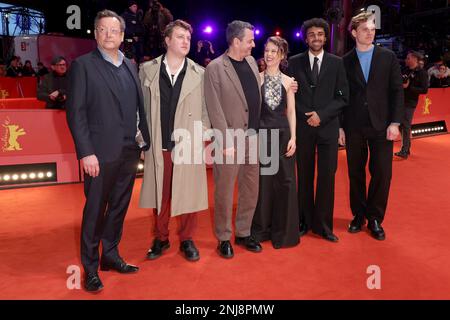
pixel 382 95
pixel 93 109
pixel 327 98
pixel 418 84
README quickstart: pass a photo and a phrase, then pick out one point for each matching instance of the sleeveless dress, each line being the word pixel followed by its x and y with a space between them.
pixel 276 216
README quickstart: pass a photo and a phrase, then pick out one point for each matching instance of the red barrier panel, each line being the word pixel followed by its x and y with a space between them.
pixel 25 87
pixel 22 103
pixel 38 136
pixel 32 132
pixel 433 106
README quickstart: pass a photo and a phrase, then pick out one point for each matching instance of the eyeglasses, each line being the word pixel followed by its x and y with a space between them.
pixel 103 30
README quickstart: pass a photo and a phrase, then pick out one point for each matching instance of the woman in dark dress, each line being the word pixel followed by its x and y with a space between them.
pixel 276 215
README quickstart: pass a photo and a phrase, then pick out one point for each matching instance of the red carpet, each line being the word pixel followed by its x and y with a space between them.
pixel 40 230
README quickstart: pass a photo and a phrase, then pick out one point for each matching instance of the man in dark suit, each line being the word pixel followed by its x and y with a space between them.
pixel 105 113
pixel 323 92
pixel 370 123
pixel 415 83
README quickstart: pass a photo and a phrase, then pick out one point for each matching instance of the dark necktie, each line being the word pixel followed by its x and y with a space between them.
pixel 173 77
pixel 315 71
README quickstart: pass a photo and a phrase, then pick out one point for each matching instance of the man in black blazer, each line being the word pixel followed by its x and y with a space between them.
pixel 415 83
pixel 370 123
pixel 323 92
pixel 105 113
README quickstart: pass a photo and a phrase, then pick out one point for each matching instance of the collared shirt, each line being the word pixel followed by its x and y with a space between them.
pixel 311 59
pixel 170 92
pixel 173 76
pixel 108 58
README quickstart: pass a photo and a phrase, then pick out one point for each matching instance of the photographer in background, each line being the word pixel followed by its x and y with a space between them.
pixel 415 83
pixel 155 21
pixel 134 32
pixel 53 86
pixel 204 51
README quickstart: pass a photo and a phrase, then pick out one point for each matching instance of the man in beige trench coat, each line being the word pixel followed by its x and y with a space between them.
pixel 175 181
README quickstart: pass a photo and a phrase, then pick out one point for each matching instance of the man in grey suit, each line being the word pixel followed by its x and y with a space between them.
pixel 233 101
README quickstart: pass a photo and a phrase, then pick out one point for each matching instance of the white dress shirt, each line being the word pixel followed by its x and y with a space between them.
pixel 311 59
pixel 173 76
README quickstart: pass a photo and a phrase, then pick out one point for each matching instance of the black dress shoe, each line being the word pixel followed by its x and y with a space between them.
pixel 303 229
pixel 158 248
pixel 357 223
pixel 276 245
pixel 248 243
pixel 402 154
pixel 328 236
pixel 190 251
pixel 225 249
pixel 92 282
pixel 118 265
pixel 376 230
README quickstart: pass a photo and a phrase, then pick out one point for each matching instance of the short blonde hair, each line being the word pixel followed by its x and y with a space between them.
pixel 360 18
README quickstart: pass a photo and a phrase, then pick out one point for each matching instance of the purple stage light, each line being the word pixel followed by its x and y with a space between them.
pixel 208 30
pixel 257 32
pixel 297 34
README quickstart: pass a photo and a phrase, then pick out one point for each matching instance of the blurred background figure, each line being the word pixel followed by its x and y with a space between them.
pixel 434 69
pixel 415 83
pixel 206 61
pixel 42 70
pixel 28 70
pixel 204 51
pixel 2 70
pixel 155 21
pixel 440 79
pixel 134 32
pixel 53 86
pixel 14 70
pixel 261 65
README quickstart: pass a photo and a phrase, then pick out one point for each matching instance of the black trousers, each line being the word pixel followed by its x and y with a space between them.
pixel 107 198
pixel 406 129
pixel 359 143
pixel 316 212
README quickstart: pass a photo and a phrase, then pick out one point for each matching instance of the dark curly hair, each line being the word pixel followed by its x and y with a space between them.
pixel 318 23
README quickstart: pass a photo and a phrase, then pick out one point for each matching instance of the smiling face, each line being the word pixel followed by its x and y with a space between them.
pixel 179 42
pixel 272 55
pixel 315 39
pixel 244 47
pixel 108 34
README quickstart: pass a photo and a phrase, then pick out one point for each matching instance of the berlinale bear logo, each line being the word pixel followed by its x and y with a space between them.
pixel 12 133
pixel 426 106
